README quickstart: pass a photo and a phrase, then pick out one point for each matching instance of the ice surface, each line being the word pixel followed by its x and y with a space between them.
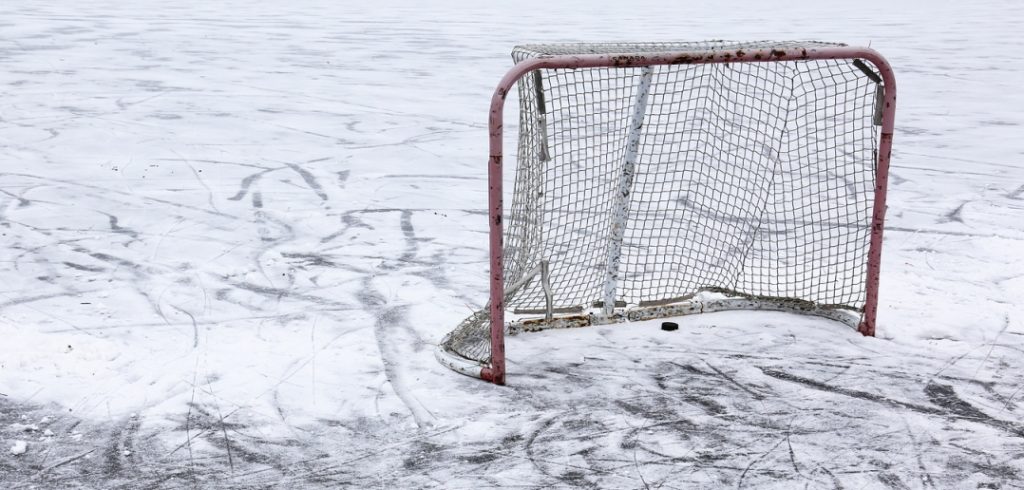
pixel 248 224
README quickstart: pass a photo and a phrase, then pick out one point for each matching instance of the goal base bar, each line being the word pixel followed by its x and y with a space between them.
pixel 475 369
pixel 684 308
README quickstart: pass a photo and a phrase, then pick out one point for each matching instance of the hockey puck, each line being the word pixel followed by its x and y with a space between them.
pixel 669 326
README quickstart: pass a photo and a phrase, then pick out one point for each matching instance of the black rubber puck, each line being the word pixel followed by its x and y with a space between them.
pixel 669 326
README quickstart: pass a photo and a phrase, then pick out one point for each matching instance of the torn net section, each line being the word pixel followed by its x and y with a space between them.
pixel 751 179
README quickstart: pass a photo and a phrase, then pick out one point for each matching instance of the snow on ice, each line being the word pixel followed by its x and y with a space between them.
pixel 19 448
pixel 233 232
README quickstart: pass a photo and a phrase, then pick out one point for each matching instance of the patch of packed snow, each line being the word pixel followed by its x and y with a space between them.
pixel 19 448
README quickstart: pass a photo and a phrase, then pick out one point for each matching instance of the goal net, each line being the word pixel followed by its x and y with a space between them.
pixel 652 190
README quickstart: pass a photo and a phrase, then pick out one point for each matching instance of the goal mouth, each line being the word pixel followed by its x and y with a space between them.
pixel 459 356
pixel 654 180
pixel 709 300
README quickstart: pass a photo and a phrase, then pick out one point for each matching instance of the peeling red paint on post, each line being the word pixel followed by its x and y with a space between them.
pixel 874 266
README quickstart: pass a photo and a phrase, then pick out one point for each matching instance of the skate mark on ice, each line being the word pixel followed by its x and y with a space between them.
pixel 31 299
pixel 411 243
pixel 84 268
pixel 117 228
pixel 279 293
pixel 195 325
pixel 350 220
pixel 1017 194
pixel 107 193
pixel 310 260
pixel 927 481
pixel 393 335
pixel 945 397
pixel 388 321
pixel 723 375
pixel 22 202
pixel 572 475
pixel 310 180
pixel 892 480
pixel 956 215
pixel 988 386
pixel 941 395
pixel 119 455
pixel 248 181
pixel 755 461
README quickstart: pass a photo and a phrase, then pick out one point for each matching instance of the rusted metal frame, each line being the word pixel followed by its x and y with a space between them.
pixel 495 373
pixel 684 308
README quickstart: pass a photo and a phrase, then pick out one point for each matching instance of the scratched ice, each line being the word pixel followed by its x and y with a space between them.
pixel 233 232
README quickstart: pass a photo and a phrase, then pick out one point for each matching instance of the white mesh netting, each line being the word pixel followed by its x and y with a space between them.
pixel 748 179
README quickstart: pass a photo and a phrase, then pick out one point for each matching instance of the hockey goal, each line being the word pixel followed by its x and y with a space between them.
pixel 664 179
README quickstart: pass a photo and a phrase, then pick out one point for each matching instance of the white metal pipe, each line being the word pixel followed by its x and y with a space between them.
pixel 620 208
